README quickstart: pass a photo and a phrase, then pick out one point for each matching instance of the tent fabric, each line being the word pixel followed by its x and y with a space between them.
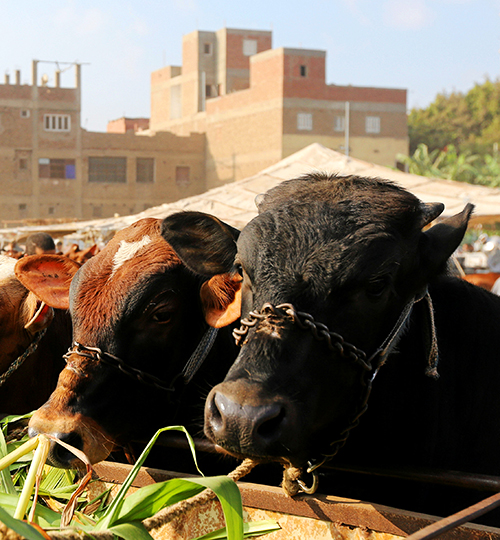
pixel 234 203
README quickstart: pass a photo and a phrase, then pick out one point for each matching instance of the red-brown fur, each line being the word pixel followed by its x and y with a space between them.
pixel 486 281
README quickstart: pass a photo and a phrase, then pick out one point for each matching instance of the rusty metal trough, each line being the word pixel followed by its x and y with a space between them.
pixel 308 517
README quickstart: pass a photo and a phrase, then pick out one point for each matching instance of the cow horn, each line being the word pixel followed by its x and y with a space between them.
pixel 429 212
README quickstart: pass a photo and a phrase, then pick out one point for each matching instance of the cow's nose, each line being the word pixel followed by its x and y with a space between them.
pixel 245 428
pixel 59 456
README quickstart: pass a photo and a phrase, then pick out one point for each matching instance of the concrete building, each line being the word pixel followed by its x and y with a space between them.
pixel 51 168
pixel 257 105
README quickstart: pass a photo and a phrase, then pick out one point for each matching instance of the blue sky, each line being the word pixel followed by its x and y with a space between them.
pixel 425 46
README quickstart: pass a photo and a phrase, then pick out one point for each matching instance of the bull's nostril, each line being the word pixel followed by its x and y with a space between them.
pixel 32 432
pixel 217 409
pixel 270 426
pixel 62 457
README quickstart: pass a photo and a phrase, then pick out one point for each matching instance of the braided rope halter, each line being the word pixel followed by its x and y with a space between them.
pixel 189 370
pixel 292 484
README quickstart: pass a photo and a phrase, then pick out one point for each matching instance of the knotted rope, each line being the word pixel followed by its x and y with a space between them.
pixel 168 514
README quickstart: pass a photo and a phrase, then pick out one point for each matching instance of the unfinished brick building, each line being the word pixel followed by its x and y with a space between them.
pixel 235 107
pixel 257 105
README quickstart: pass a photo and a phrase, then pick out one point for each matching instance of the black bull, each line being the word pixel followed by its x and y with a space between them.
pixel 353 256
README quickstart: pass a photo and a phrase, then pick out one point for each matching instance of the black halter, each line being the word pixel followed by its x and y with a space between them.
pixel 190 368
pixel 335 342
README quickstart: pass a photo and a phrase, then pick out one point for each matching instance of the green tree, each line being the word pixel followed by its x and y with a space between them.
pixel 449 164
pixel 470 122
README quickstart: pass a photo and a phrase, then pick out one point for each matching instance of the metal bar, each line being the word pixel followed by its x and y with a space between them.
pixel 480 482
pixel 446 524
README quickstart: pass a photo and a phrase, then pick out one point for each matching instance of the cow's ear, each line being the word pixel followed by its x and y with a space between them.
pixel 439 242
pixel 205 244
pixel 221 299
pixel 48 277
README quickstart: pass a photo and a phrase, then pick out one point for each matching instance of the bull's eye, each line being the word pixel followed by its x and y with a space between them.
pixel 238 269
pixel 376 287
pixel 162 316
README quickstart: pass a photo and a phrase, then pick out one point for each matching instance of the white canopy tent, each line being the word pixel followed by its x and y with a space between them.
pixel 235 202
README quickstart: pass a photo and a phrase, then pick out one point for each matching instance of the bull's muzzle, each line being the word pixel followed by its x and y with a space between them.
pixel 78 431
pixel 243 420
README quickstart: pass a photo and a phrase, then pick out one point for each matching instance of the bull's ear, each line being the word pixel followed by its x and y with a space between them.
pixel 42 316
pixel 48 277
pixel 439 242
pixel 221 299
pixel 205 244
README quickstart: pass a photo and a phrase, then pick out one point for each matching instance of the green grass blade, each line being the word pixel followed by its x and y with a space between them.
pixel 22 450
pixel 229 496
pixel 109 516
pixel 255 528
pixel 5 478
pixel 145 502
pixel 20 527
pixel 131 531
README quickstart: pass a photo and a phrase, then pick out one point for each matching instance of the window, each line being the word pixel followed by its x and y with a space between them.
pixel 372 124
pixel 51 211
pixel 182 176
pixel 97 211
pixel 175 102
pixel 25 113
pixel 207 48
pixel 305 121
pixel 208 90
pixel 303 71
pixel 145 170
pixel 57 122
pixel 249 47
pixel 108 170
pixel 22 207
pixel 339 123
pixel 23 164
pixel 57 168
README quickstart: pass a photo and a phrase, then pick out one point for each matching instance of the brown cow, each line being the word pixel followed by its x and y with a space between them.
pixel 142 323
pixel 485 280
pixel 81 255
pixel 33 337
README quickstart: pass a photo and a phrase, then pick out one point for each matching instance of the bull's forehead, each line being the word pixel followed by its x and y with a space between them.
pixel 310 248
pixel 100 290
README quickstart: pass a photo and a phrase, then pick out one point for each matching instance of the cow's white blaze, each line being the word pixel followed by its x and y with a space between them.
pixel 127 251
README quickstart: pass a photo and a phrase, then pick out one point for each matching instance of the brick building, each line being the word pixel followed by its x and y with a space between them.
pixel 257 105
pixel 51 168
pixel 235 107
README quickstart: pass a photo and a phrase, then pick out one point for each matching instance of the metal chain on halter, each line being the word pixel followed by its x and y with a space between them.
pixel 20 360
pixel 335 342
pixel 292 482
pixel 192 365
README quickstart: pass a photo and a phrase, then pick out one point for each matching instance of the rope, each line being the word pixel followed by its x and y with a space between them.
pixel 433 357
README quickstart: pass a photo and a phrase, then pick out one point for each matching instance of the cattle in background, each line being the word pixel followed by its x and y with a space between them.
pixel 33 338
pixel 143 323
pixel 338 274
pixel 81 255
pixel 485 280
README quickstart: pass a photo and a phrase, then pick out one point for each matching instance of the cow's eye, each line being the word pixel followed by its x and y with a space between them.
pixel 376 287
pixel 162 316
